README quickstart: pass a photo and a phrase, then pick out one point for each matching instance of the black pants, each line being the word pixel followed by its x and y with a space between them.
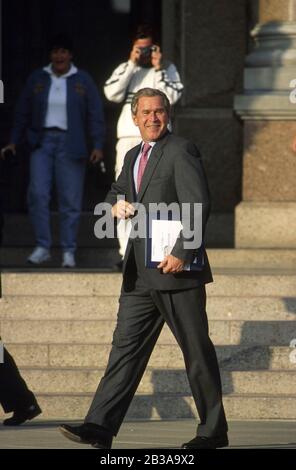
pixel 141 316
pixel 14 393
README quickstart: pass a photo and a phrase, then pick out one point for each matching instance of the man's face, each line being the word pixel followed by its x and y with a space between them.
pixel 151 118
pixel 61 60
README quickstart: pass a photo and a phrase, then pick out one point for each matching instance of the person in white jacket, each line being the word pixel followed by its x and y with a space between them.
pixel 145 68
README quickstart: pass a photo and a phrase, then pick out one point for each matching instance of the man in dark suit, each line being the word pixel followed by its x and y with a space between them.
pixel 163 169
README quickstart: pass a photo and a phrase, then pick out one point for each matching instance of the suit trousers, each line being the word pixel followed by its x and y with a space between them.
pixel 142 314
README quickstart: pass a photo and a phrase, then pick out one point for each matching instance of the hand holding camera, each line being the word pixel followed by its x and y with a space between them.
pixel 156 57
pixel 135 54
pixel 146 56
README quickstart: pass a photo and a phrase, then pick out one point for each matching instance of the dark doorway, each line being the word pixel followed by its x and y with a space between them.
pixel 102 32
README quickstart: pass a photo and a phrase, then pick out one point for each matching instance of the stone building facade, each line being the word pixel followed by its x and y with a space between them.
pixel 236 58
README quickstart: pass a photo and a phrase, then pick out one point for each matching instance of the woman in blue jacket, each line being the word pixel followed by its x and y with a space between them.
pixel 57 108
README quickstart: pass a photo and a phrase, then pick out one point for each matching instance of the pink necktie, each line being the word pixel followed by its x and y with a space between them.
pixel 142 164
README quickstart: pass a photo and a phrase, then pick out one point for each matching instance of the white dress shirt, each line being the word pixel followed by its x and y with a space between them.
pixel 56 115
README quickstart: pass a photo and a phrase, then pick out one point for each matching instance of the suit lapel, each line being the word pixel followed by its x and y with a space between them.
pixel 134 155
pixel 153 161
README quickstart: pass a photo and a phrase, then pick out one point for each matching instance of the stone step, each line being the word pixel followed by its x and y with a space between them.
pixel 60 284
pixel 252 258
pixel 160 381
pixel 222 332
pixel 105 255
pixel 105 308
pixel 228 282
pixel 171 407
pixel 164 356
pixel 241 407
pixel 102 257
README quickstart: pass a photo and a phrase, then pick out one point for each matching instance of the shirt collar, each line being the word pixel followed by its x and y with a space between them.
pixel 72 71
pixel 150 143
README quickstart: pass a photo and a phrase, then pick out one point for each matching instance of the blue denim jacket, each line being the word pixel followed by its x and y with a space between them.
pixel 84 112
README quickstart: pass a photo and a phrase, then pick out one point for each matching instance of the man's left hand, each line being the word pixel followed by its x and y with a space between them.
pixel 171 265
pixel 96 156
pixel 156 57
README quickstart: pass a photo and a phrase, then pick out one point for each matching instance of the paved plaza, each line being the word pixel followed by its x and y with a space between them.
pixel 154 435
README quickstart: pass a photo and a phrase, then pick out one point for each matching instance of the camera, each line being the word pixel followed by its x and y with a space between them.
pixel 147 51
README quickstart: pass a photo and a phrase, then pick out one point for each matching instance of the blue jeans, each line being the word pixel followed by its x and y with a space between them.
pixel 51 163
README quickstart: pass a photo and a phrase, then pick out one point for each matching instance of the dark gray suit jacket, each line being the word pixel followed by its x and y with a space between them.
pixel 174 174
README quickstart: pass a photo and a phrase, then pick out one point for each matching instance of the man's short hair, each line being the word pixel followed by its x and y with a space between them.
pixel 150 92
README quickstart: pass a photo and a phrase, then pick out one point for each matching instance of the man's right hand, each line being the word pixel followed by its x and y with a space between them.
pixel 135 54
pixel 122 210
pixel 9 147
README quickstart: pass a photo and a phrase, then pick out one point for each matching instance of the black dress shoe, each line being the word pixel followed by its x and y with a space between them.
pixel 88 433
pixel 202 442
pixel 21 416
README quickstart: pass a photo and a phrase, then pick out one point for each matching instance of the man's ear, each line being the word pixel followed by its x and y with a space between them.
pixel 135 119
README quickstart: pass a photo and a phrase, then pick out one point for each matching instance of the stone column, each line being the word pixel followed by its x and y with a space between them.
pixel 266 218
pixel 207 42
